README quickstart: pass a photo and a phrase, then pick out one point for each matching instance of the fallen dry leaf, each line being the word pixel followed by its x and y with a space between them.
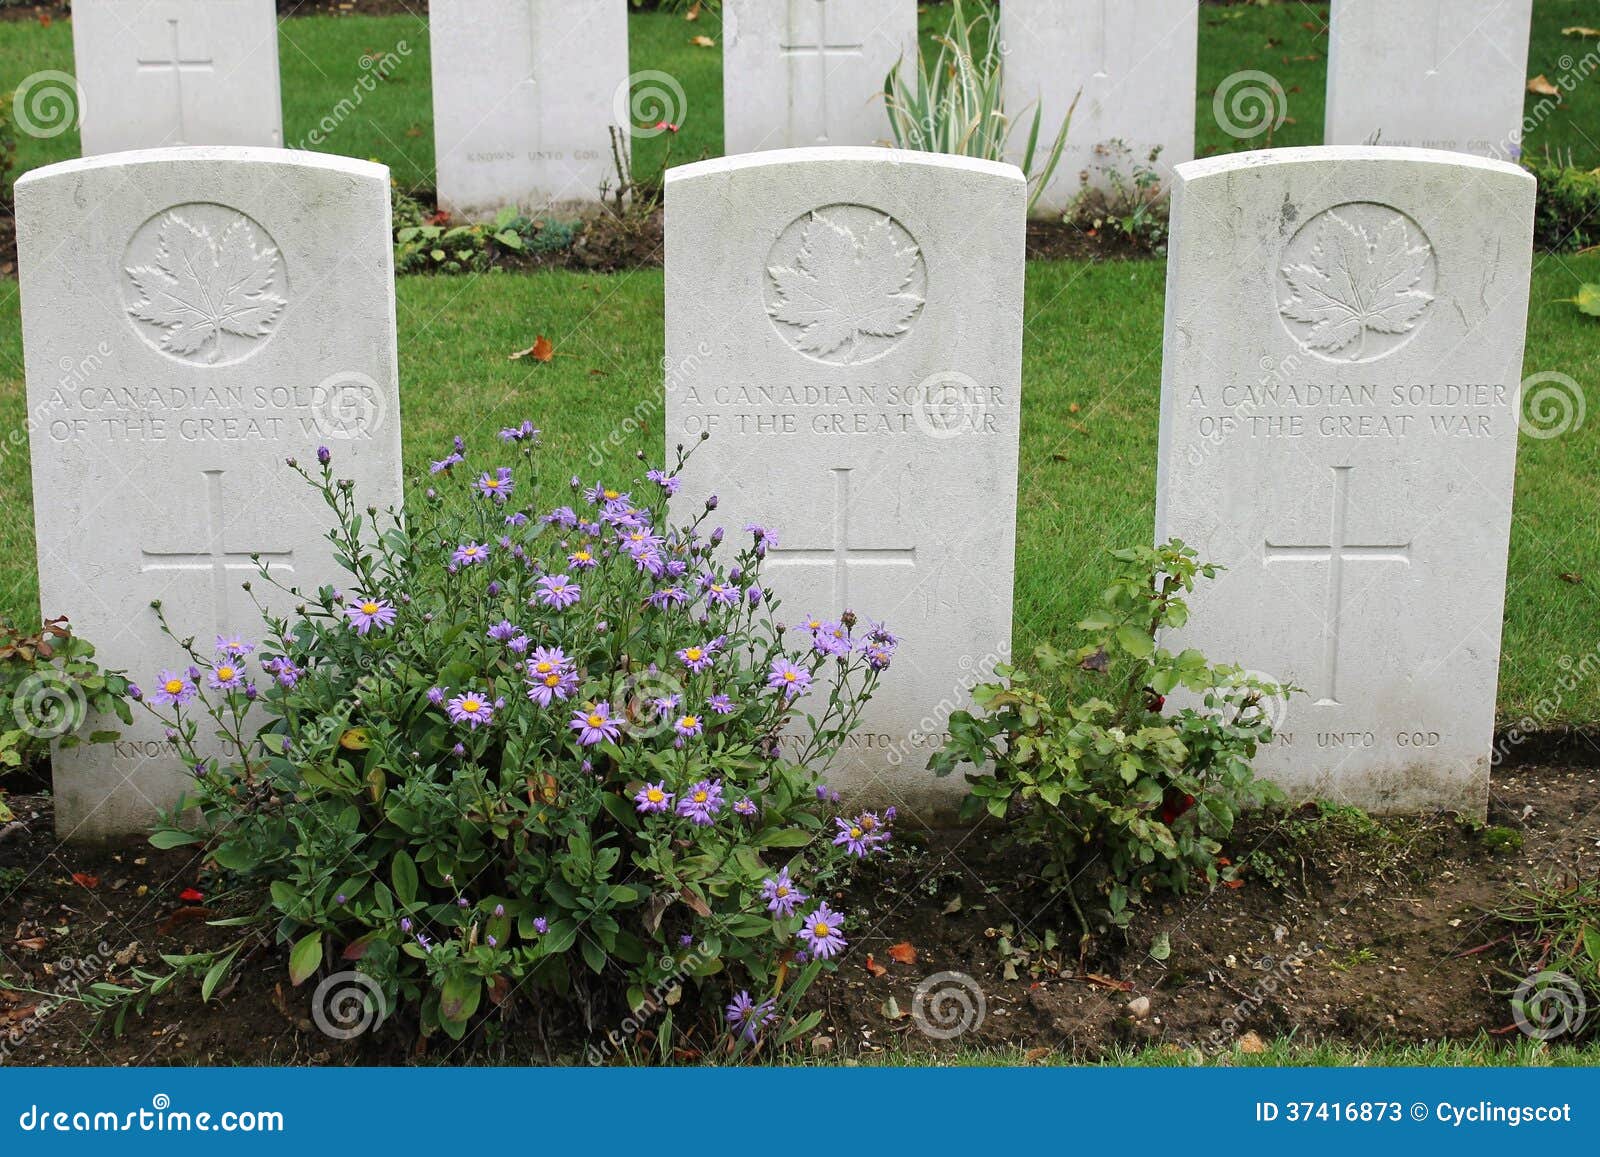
pixel 1098 981
pixel 32 943
pixel 903 953
pixel 85 880
pixel 1033 1055
pixel 874 967
pixel 1582 33
pixel 1541 86
pixel 1252 1044
pixel 542 350
pixel 1568 576
pixel 702 41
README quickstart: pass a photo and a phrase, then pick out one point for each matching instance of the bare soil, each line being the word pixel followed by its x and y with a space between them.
pixel 1366 934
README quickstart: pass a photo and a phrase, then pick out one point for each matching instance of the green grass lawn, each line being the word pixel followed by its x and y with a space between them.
pixel 321 59
pixel 1092 371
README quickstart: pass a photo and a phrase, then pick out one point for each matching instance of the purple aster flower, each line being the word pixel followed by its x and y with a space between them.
pixel 470 554
pixel 667 597
pixel 665 704
pixel 558 591
pixel 551 684
pixel 172 689
pixel 667 482
pixel 518 644
pixel 472 708
pixel 689 726
pixel 135 693
pixel 832 638
pixel 748 1017
pixel 702 802
pixel 324 455
pixel 582 559
pixel 781 895
pixel 234 645
pixel 517 518
pixel 697 659
pixel 854 838
pixel 719 593
pixel 541 925
pixel 436 695
pixel 653 797
pixel 444 464
pixel 755 595
pixel 499 909
pixel 562 516
pixel 827 794
pixel 504 631
pixel 405 923
pixel 364 614
pixel 745 807
pixel 595 725
pixel 785 676
pixel 283 669
pixel 227 675
pixel 497 486
pixel 821 932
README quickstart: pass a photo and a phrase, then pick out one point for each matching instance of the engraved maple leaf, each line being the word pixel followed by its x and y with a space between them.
pixel 1355 283
pixel 842 287
pixel 201 287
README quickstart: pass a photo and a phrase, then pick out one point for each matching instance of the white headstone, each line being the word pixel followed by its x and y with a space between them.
pixel 1339 418
pixel 847 325
pixel 1430 74
pixel 810 72
pixel 1131 66
pixel 159 73
pixel 525 93
pixel 190 318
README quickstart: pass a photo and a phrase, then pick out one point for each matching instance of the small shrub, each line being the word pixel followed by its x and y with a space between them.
pixel 531 750
pixel 1090 764
pixel 49 682
pixel 1129 198
pixel 955 103
pixel 1566 215
pixel 1555 949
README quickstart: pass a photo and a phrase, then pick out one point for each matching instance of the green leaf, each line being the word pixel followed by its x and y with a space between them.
pixel 783 838
pixel 403 874
pixel 1134 641
pixel 219 969
pixel 459 999
pixel 1588 299
pixel 172 838
pixel 1591 942
pixel 305 958
pixel 1161 946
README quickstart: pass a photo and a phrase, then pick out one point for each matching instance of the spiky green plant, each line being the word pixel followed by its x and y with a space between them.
pixel 955 103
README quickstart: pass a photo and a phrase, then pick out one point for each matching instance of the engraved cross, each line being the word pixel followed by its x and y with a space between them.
pixel 1337 551
pixel 841 556
pixel 176 63
pixel 820 52
pixel 215 558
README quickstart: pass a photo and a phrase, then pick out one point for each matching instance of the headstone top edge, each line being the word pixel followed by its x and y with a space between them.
pixel 245 154
pixel 1191 171
pixel 864 154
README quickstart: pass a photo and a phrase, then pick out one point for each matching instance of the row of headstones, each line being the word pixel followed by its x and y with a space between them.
pixel 1343 346
pixel 527 92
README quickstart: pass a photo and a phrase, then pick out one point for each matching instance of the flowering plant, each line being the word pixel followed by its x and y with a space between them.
pixel 1118 789
pixel 533 749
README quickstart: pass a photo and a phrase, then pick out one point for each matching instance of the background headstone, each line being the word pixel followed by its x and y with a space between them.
pixel 1133 62
pixel 1339 418
pixel 190 318
pixel 847 325
pixel 1431 74
pixel 810 72
pixel 160 73
pixel 525 93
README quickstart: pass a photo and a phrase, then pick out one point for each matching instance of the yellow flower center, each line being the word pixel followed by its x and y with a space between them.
pixel 821 930
pixel 782 890
pixel 224 673
pixel 552 680
pixel 655 795
pixel 699 797
pixel 610 494
pixel 693 654
pixel 788 676
pixel 172 686
pixel 855 833
pixel 581 555
pixel 596 720
pixel 689 721
pixel 471 706
pixel 369 608
pixel 544 666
